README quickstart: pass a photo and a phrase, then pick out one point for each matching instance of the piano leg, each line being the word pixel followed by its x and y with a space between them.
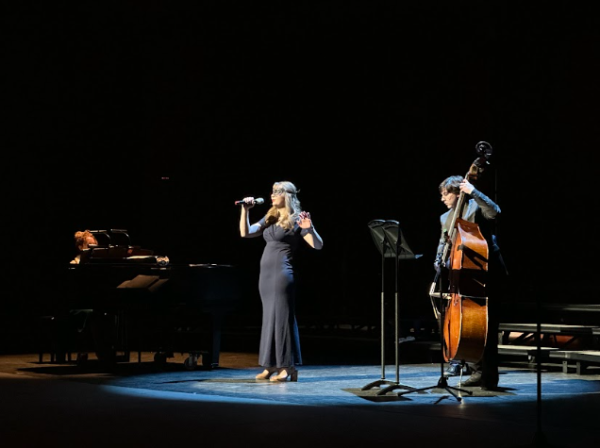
pixel 212 359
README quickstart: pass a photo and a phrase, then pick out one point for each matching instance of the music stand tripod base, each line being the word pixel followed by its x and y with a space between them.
pixel 391 244
pixel 395 386
pixel 392 385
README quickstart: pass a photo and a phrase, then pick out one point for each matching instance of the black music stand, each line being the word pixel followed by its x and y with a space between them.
pixel 112 237
pixel 103 237
pixel 391 244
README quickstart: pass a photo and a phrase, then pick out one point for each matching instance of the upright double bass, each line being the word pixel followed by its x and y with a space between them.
pixel 465 259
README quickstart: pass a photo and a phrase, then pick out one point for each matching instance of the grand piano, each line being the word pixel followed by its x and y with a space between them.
pixel 150 303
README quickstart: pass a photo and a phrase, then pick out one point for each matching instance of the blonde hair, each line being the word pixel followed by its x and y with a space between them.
pixel 287 216
pixel 81 239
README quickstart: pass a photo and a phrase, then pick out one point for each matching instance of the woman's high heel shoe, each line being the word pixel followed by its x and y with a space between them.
pixel 266 374
pixel 284 374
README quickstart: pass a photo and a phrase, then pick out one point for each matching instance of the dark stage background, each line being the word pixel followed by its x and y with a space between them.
pixel 156 118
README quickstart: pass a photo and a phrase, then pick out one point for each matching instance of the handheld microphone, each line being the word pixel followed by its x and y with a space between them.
pixel 257 201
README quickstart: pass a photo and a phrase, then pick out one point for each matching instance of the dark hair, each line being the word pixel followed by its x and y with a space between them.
pixel 451 184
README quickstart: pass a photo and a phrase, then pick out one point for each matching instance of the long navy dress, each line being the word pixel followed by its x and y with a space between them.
pixel 279 340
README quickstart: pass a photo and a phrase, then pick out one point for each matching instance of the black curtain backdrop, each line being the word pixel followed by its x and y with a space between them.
pixel 156 118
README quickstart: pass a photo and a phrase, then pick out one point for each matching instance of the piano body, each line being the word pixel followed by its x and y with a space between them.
pixel 156 305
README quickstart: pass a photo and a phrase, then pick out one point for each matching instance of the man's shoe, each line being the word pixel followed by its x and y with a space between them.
pixel 473 381
pixel 453 369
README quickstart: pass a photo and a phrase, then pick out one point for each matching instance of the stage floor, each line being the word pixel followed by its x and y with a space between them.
pixel 146 405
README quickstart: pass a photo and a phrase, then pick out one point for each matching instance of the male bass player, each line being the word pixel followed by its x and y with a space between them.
pixel 481 210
